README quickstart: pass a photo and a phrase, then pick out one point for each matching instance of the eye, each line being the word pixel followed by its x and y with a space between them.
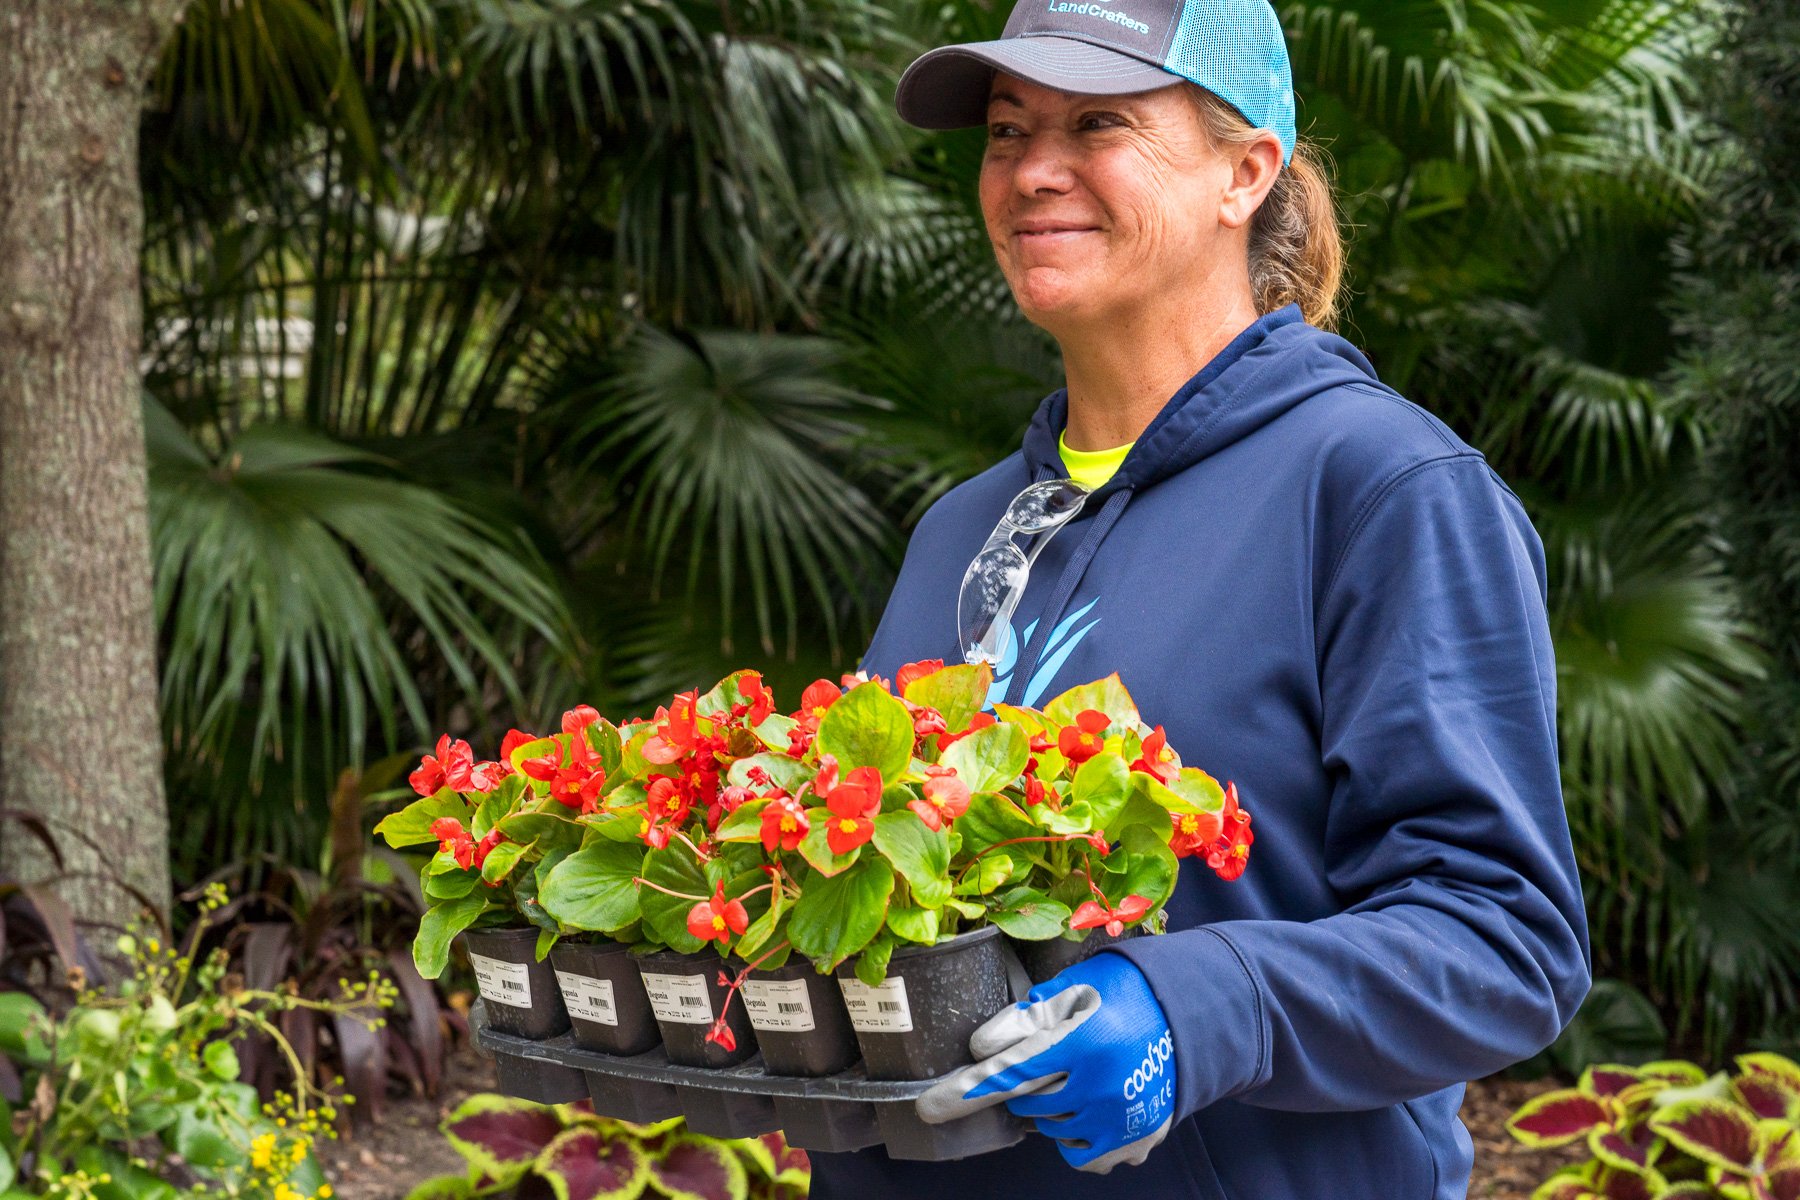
pixel 1002 129
pixel 1098 120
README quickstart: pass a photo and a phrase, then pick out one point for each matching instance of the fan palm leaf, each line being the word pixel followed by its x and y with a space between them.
pixel 735 444
pixel 280 565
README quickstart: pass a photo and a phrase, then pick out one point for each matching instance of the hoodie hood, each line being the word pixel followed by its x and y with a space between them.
pixel 1273 365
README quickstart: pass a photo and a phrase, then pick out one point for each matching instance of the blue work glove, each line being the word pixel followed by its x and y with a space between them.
pixel 1087 1055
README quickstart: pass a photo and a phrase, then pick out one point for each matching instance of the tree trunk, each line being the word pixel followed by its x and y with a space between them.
pixel 80 744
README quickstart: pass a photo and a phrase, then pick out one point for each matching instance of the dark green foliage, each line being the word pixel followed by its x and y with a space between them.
pixel 1741 307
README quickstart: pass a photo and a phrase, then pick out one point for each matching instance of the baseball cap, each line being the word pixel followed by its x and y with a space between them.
pixel 1235 49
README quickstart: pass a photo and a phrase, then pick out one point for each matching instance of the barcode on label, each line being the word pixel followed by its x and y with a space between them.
pixel 778 1005
pixel 880 1009
pixel 587 999
pixel 502 982
pixel 682 999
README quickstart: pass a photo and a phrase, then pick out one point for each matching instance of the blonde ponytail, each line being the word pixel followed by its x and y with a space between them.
pixel 1296 242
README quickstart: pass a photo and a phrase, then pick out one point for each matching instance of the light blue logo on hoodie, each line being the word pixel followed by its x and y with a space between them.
pixel 1057 648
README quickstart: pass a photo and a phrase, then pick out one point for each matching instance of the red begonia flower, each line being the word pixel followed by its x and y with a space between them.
pixel 827 778
pixel 1195 833
pixel 1093 913
pixel 853 803
pixel 454 840
pixel 718 919
pixel 578 787
pixel 944 798
pixel 512 741
pixel 759 701
pixel 1157 759
pixel 1082 740
pixel 927 721
pixel 453 766
pixel 819 695
pixel 784 824
pixel 676 730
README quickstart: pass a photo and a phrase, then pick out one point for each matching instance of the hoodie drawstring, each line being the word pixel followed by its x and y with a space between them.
pixel 1065 590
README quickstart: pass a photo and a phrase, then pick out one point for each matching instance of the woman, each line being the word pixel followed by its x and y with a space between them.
pixel 1315 586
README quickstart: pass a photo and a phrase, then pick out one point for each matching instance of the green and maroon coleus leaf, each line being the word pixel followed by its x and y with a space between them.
pixel 1767 1096
pixel 1609 1079
pixel 1713 1131
pixel 1570 1183
pixel 692 1168
pixel 775 1159
pixel 501 1136
pixel 1614 1184
pixel 589 1163
pixel 1632 1147
pixel 1763 1063
pixel 1558 1118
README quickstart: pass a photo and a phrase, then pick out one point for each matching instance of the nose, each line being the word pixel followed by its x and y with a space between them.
pixel 1045 167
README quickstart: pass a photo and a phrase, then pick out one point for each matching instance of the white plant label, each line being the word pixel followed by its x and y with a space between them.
pixel 679 998
pixel 779 1005
pixel 502 982
pixel 588 999
pixel 878 1009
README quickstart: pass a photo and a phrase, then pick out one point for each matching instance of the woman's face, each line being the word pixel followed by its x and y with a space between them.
pixel 1099 206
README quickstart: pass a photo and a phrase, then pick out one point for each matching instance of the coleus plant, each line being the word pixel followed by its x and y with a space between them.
pixel 517 1149
pixel 1666 1130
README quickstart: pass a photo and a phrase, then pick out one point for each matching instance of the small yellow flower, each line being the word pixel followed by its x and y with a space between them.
pixel 262 1151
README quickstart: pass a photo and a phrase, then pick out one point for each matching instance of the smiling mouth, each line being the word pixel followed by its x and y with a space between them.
pixel 1055 233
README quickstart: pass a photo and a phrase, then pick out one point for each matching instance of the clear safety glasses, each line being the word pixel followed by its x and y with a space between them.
pixel 995 580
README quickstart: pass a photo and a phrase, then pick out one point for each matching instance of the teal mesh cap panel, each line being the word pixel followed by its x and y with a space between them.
pixel 1236 50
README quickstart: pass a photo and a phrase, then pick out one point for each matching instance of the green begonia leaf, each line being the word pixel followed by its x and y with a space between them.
pixel 920 854
pixel 990 758
pixel 440 924
pixel 836 916
pixel 958 692
pixel 1106 695
pixel 1029 915
pixel 501 860
pixel 666 916
pixel 593 888
pixel 868 727
pixel 816 850
pixel 744 824
pixel 913 924
pixel 411 826
pixel 1102 784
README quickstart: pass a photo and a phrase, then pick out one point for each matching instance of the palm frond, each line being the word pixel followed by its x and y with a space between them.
pixel 732 446
pixel 280 565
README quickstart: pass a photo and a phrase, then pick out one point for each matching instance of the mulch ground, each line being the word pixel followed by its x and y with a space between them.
pixel 387 1160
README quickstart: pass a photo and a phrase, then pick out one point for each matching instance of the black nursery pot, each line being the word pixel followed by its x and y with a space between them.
pixel 1044 960
pixel 686 995
pixel 604 996
pixel 521 994
pixel 800 1020
pixel 917 1024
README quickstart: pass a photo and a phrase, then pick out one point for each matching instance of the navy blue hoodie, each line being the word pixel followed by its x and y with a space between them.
pixel 1327 597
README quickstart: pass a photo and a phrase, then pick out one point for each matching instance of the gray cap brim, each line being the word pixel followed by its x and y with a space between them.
pixel 947 88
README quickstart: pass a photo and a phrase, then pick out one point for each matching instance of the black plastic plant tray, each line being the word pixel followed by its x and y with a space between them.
pixel 836 1113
